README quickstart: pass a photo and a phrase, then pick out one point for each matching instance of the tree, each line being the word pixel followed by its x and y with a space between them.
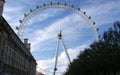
pixel 102 57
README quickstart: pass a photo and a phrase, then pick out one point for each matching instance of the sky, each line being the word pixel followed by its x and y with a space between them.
pixel 43 27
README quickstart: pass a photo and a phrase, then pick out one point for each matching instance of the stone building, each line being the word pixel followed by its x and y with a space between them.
pixel 15 56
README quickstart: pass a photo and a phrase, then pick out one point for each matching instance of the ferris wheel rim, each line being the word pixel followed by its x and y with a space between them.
pixel 28 16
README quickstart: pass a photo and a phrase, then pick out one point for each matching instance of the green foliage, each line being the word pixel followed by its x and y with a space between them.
pixel 102 57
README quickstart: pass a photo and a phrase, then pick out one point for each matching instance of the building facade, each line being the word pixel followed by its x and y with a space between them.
pixel 15 56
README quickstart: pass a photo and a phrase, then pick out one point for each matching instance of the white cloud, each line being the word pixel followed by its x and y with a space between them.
pixel 70 30
pixel 8 15
pixel 12 9
pixel 104 13
pixel 48 65
pixel 42 15
pixel 100 13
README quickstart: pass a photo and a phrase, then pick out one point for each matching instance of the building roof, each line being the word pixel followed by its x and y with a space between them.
pixel 14 37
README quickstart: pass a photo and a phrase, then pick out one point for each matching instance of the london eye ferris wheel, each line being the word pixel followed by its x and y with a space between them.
pixel 57 27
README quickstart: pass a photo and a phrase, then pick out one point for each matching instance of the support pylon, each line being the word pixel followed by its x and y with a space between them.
pixel 57 51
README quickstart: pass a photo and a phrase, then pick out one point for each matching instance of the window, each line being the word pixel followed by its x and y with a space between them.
pixel 6 49
pixel 9 59
pixel 0 63
pixel 2 52
pixel 10 51
pixel 0 41
pixel 3 42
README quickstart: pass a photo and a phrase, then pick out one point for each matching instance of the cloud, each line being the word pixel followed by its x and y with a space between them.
pixel 14 11
pixel 71 25
pixel 100 14
pixel 44 39
pixel 48 64
pixel 42 15
pixel 12 20
pixel 103 13
pixel 48 34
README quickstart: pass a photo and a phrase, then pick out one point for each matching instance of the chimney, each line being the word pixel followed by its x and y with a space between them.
pixel 28 45
pixel 25 41
pixel 1 6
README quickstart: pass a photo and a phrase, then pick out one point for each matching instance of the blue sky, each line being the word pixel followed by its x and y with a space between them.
pixel 43 27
